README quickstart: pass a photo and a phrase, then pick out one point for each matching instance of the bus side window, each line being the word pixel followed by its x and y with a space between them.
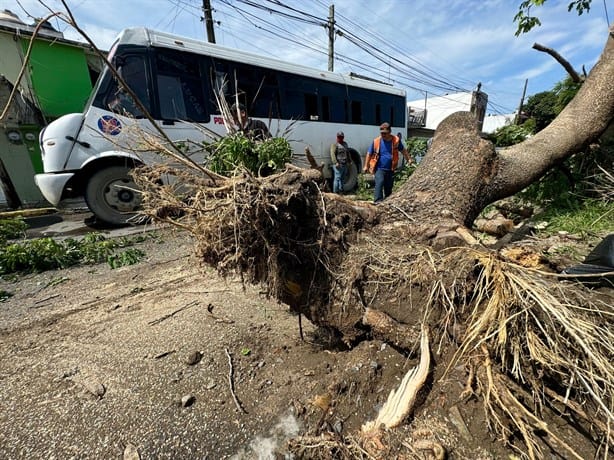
pixel 356 112
pixel 180 86
pixel 172 106
pixel 311 106
pixel 325 108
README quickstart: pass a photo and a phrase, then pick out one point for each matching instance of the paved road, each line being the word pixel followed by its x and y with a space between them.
pixel 75 223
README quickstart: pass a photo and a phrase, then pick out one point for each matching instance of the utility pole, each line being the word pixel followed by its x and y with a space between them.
pixel 524 91
pixel 209 21
pixel 331 38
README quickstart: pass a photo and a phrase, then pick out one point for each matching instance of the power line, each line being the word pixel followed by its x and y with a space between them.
pixel 403 69
pixel 247 15
pixel 424 76
pixel 401 54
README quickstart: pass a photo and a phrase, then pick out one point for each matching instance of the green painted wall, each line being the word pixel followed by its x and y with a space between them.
pixel 59 76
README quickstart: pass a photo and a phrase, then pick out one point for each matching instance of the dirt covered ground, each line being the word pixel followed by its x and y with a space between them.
pixel 95 362
pixel 164 359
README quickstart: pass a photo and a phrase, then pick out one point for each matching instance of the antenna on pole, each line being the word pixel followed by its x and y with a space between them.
pixel 524 92
pixel 209 21
pixel 331 38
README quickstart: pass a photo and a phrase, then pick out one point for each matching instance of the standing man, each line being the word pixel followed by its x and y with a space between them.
pixel 254 129
pixel 339 157
pixel 382 160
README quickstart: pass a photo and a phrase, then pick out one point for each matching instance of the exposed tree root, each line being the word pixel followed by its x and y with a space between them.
pixel 384 327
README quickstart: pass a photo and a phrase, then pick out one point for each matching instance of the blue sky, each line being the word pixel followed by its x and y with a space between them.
pixel 427 46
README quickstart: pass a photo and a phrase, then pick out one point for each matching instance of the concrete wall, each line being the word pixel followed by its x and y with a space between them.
pixel 494 122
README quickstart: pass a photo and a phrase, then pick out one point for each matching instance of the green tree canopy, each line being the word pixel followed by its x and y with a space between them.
pixel 545 106
pixel 541 108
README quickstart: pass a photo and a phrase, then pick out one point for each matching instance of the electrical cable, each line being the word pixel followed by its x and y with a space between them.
pixel 404 70
pixel 418 74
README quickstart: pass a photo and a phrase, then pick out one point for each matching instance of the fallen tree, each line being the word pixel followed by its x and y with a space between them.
pixel 524 344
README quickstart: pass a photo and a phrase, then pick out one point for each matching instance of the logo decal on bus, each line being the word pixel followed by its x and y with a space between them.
pixel 109 125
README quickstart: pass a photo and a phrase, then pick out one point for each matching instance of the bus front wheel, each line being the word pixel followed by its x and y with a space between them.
pixel 112 195
pixel 350 181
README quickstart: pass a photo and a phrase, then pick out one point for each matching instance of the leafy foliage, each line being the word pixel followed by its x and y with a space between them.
pixel 574 180
pixel 130 256
pixel 237 150
pixel 11 229
pixel 48 254
pixel 512 134
pixel 541 107
pixel 570 195
pixel 526 21
pixel 417 147
pixel 402 175
pixel 364 191
pixel 545 106
pixel 565 91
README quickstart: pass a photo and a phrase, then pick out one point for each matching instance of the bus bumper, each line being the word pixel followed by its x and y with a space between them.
pixel 52 185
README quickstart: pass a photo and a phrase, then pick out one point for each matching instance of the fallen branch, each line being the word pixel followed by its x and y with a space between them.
pixel 38 303
pixel 561 60
pixel 231 383
pixel 498 226
pixel 170 315
pixel 312 161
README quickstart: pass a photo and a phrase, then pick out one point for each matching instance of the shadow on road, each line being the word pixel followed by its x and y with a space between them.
pixel 65 224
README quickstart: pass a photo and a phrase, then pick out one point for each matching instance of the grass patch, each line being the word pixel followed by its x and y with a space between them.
pixel 587 218
pixel 43 254
pixel 364 191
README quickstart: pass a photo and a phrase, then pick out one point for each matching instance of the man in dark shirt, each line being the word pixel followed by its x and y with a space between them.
pixel 254 129
pixel 339 159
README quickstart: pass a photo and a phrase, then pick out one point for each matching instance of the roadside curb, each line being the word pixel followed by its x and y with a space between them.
pixel 27 212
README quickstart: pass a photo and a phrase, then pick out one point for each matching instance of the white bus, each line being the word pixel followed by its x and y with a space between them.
pixel 90 154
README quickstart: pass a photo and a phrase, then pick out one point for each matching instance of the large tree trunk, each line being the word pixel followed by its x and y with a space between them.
pixel 461 174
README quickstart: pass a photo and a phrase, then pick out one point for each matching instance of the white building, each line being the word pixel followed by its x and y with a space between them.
pixel 439 107
pixel 494 122
pixel 425 114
